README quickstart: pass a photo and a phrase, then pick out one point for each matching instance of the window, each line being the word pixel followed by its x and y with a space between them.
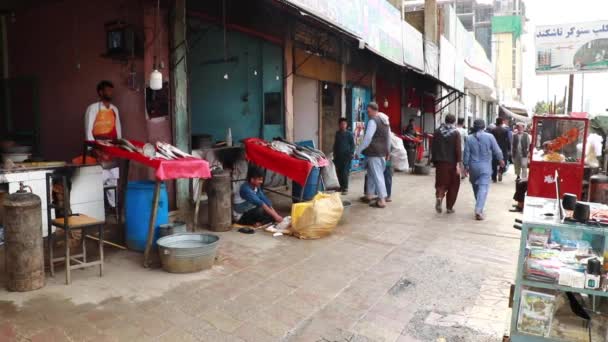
pixel 483 34
pixel 483 14
pixel 272 108
pixel 514 68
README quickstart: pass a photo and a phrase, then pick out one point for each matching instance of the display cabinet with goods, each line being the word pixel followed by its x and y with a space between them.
pixel 561 284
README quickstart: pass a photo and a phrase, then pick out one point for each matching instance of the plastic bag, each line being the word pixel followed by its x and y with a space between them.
pixel 330 177
pixel 398 154
pixel 317 218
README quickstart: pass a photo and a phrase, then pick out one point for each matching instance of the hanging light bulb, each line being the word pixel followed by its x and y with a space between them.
pixel 226 76
pixel 156 80
pixel 325 86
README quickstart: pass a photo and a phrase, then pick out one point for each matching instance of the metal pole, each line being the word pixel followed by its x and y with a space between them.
pixel 583 93
pixel 570 94
pixel 548 98
pixel 152 224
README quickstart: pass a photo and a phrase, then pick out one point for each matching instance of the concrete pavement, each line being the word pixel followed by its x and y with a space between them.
pixel 403 273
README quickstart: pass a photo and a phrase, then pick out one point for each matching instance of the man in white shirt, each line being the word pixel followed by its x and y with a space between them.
pixel 102 122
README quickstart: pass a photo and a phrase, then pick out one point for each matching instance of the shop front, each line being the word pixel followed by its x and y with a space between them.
pixel 236 83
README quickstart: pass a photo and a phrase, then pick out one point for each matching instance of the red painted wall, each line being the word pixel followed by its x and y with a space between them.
pixel 61 44
pixel 390 91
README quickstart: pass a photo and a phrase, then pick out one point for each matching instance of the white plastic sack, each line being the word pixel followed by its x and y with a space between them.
pixel 398 154
pixel 330 177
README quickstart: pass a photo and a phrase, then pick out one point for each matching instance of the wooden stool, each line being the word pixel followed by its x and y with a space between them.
pixel 74 222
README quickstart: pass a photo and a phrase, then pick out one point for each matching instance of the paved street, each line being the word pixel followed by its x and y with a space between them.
pixel 400 274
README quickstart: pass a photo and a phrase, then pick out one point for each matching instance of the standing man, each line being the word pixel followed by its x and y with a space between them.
pixel 501 135
pixel 101 119
pixel 102 122
pixel 344 147
pixel 479 149
pixel 376 148
pixel 447 155
pixel 520 150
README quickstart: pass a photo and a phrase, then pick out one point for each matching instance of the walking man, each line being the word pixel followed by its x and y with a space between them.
pixel 344 147
pixel 375 147
pixel 520 150
pixel 479 149
pixel 446 156
pixel 463 137
pixel 501 135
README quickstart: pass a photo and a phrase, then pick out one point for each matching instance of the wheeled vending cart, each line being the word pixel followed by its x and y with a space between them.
pixel 558 144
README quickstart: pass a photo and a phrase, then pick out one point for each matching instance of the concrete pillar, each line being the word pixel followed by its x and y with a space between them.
pixel 431 26
pixel 288 85
pixel 179 81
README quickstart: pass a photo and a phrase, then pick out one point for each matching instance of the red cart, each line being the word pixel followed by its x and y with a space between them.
pixel 558 144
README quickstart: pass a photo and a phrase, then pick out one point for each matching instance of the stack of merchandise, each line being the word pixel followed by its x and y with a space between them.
pixel 555 257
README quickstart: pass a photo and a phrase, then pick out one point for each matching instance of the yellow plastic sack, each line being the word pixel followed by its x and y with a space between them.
pixel 317 218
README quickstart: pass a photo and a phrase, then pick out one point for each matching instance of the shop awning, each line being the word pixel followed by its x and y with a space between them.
pixel 512 114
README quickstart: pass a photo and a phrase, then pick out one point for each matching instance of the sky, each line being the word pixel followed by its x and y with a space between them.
pixel 552 12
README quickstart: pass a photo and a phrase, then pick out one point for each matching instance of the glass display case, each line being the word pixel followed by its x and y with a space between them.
pixel 558 143
pixel 561 278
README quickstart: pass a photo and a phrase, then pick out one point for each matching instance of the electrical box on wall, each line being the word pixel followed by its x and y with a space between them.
pixel 122 41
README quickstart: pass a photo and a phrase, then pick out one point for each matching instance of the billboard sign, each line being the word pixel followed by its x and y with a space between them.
pixel 346 14
pixel 572 48
pixel 383 30
pixel 413 46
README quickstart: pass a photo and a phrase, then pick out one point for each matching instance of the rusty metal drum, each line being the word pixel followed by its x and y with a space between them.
pixel 220 202
pixel 23 241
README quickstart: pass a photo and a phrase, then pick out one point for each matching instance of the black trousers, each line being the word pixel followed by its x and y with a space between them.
pixel 255 216
pixel 521 187
pixel 496 168
pixel 343 171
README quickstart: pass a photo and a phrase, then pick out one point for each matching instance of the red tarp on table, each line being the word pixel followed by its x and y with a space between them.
pixel 164 169
pixel 257 152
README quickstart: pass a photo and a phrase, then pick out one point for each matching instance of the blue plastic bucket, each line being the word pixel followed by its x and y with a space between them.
pixel 310 190
pixel 138 208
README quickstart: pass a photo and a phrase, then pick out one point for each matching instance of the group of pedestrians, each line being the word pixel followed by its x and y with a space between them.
pixel 376 147
pixel 482 156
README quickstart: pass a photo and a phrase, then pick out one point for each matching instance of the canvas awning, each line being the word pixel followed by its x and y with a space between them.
pixel 518 117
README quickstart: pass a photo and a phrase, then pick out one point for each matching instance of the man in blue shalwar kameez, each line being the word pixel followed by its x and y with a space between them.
pixel 479 149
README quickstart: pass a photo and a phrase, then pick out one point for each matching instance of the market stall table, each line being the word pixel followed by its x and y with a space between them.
pixel 189 168
pixel 258 152
pixel 552 261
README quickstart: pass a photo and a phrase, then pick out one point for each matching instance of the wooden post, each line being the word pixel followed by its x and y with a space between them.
pixel 198 194
pixel 152 224
pixel 123 182
pixel 179 82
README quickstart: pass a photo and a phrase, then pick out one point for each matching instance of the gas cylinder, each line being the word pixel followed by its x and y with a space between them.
pixel 598 188
pixel 23 240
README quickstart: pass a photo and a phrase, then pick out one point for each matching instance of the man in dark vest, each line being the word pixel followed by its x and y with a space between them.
pixel 501 134
pixel 376 148
pixel 446 156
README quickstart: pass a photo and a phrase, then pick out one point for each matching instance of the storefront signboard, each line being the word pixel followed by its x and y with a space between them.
pixel 572 48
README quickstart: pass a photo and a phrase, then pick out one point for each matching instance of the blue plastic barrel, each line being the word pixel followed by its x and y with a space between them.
pixel 138 207
pixel 310 190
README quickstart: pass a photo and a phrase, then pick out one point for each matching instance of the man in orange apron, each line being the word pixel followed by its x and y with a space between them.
pixel 101 119
pixel 102 122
